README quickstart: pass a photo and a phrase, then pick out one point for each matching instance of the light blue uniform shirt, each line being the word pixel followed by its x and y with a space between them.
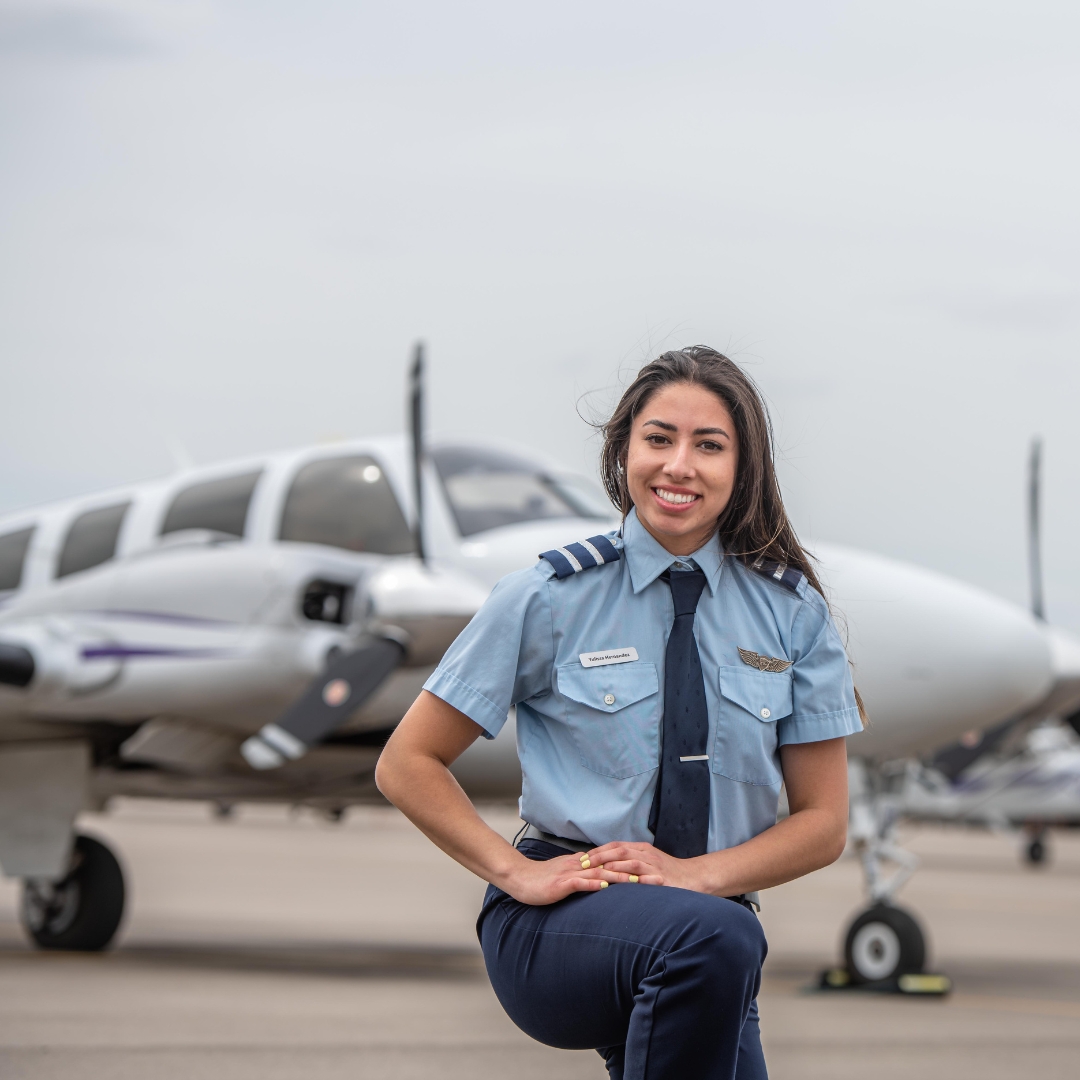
pixel 589 736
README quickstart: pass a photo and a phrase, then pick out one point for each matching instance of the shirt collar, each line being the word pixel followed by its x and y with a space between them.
pixel 647 559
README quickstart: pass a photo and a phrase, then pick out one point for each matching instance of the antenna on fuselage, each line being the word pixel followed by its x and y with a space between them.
pixel 1034 529
pixel 416 424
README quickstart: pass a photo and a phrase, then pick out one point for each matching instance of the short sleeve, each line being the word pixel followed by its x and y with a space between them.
pixel 505 654
pixel 823 695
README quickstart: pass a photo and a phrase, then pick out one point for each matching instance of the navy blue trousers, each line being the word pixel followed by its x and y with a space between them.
pixel 662 982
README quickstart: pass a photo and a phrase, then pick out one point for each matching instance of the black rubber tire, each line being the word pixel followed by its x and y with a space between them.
pixel 82 911
pixel 882 944
pixel 1036 852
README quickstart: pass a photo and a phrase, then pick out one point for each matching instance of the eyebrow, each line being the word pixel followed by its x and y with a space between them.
pixel 697 431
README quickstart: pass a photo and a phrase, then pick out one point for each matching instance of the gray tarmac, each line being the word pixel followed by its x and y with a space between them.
pixel 279 946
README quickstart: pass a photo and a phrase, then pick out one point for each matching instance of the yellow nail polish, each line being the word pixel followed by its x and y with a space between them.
pixel 586 864
pixel 634 879
pixel 603 884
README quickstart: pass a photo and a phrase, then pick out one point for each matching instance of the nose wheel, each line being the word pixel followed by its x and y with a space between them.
pixel 1035 851
pixel 882 944
pixel 885 950
pixel 82 910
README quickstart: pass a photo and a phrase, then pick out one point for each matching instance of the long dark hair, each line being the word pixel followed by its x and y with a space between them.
pixel 754 524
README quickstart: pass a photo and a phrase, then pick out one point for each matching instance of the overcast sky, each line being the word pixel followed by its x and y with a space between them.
pixel 222 225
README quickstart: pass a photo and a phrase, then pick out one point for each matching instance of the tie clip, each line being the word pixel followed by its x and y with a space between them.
pixel 695 757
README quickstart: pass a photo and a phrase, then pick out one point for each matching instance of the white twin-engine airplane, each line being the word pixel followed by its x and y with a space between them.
pixel 254 630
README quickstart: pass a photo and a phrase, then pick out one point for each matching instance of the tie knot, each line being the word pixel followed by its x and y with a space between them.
pixel 686 586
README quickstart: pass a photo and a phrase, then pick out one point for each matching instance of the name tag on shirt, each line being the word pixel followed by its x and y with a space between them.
pixel 609 656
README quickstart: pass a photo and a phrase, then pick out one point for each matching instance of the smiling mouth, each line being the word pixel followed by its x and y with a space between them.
pixel 674 498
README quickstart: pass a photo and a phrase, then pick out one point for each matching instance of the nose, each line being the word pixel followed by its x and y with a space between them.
pixel 680 465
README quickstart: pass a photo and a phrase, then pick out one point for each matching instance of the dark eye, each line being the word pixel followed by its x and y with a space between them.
pixel 656 438
pixel 710 445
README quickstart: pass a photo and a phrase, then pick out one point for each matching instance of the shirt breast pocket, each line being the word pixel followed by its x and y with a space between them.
pixel 751 702
pixel 614 717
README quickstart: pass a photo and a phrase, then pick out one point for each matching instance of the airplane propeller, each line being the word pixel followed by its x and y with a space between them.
pixel 416 428
pixel 955 758
pixel 1038 608
pixel 349 680
pixel 327 702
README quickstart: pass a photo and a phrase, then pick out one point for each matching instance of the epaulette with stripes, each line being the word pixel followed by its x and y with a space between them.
pixel 572 559
pixel 780 573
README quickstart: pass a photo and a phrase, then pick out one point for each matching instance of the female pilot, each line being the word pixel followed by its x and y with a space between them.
pixel 668 679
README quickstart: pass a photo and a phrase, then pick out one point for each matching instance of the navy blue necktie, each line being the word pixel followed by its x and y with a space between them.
pixel 680 810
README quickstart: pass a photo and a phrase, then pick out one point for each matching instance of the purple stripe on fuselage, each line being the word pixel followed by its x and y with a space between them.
pixel 125 652
pixel 161 616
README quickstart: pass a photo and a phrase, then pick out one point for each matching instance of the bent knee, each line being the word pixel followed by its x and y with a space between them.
pixel 738 945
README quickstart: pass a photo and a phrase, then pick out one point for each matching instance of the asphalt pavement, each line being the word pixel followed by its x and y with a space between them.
pixel 277 945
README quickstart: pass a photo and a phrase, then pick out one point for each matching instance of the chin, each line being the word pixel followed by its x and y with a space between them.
pixel 681 528
pixel 675 525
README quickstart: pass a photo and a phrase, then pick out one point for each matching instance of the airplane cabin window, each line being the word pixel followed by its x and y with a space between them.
pixel 488 488
pixel 91 540
pixel 219 505
pixel 346 502
pixel 13 549
pixel 586 495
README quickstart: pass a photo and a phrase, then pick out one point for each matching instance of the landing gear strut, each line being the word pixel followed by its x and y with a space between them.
pixel 885 948
pixel 82 910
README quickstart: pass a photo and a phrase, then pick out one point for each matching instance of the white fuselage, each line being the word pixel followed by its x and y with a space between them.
pixel 212 630
pixel 934 657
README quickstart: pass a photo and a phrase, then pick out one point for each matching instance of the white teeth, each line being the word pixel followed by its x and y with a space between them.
pixel 672 497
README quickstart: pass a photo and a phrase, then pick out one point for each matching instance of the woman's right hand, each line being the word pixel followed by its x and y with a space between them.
pixel 414 774
pixel 533 882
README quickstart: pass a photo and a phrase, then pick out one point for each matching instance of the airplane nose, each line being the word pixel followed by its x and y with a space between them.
pixel 933 657
pixel 1064 698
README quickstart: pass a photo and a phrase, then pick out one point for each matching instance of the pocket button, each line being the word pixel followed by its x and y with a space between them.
pixel 609 699
pixel 765 714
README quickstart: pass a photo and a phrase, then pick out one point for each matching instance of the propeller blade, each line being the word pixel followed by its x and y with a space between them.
pixel 1034 531
pixel 327 702
pixel 416 427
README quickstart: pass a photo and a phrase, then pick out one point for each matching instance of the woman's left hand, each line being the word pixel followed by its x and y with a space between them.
pixel 812 836
pixel 648 865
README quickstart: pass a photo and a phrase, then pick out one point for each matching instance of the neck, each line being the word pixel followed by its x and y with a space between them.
pixel 680 545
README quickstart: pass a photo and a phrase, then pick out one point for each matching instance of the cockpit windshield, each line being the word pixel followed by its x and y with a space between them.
pixel 488 488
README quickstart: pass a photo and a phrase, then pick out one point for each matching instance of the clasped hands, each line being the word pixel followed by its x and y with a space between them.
pixel 533 882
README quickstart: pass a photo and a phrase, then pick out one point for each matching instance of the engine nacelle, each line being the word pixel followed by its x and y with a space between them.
pixel 431 606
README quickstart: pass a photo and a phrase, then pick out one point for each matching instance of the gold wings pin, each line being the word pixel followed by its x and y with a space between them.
pixel 763 663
